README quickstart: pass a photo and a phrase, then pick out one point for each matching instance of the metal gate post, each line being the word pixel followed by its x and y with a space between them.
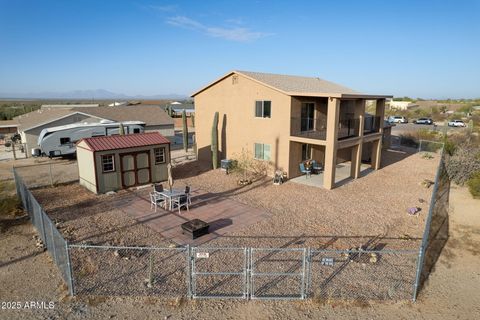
pixel 302 287
pixel 308 271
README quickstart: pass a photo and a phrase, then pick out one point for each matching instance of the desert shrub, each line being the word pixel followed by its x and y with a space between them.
pixel 465 161
pixel 474 184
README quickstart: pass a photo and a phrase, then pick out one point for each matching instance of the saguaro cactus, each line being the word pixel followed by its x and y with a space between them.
pixel 185 131
pixel 214 145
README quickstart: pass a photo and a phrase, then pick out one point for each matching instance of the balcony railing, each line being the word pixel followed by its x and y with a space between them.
pixel 348 128
pixel 372 125
pixel 313 128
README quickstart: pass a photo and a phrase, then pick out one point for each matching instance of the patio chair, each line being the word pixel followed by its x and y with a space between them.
pixel 158 187
pixel 306 172
pixel 180 202
pixel 156 200
pixel 317 167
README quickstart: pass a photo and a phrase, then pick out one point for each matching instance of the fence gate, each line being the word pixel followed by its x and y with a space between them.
pixel 219 272
pixel 278 273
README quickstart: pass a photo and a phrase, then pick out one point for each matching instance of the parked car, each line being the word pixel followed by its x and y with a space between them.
pixel 397 119
pixel 423 121
pixel 456 123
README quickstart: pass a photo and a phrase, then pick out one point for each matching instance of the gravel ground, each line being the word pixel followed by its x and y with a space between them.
pixel 370 211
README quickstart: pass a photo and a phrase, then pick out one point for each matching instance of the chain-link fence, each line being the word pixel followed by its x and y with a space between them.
pixel 436 231
pixel 49 235
pixel 362 274
pixel 129 271
pixel 48 174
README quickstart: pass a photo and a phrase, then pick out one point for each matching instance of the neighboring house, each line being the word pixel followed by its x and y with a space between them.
pixel 401 105
pixel 287 119
pixel 31 124
pixel 117 104
pixel 117 162
pixel 69 106
pixel 8 126
pixel 155 118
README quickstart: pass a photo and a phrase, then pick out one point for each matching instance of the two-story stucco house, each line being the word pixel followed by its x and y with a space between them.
pixel 287 119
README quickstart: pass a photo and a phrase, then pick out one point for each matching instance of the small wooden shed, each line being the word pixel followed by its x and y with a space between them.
pixel 110 163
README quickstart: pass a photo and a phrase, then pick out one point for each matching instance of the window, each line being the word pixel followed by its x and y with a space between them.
pixel 306 152
pixel 159 155
pixel 263 109
pixel 262 151
pixel 108 163
pixel 64 140
pixel 136 130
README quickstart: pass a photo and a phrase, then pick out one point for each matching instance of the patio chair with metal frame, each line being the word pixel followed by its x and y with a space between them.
pixel 156 200
pixel 180 202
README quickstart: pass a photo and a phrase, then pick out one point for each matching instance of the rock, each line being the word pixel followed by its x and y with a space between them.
pixel 427 183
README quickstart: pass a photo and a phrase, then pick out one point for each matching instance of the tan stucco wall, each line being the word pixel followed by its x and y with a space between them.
pixel 238 127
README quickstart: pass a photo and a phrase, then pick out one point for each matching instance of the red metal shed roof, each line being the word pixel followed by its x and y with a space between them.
pixel 125 141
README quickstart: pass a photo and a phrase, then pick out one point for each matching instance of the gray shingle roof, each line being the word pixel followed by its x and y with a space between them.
pixel 298 84
pixel 152 115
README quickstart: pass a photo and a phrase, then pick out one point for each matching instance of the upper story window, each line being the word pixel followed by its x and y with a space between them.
pixel 159 155
pixel 263 109
pixel 108 163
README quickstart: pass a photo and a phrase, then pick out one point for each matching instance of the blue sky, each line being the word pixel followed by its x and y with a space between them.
pixel 428 49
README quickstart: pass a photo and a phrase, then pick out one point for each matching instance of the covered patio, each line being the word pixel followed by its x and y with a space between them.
pixel 342 175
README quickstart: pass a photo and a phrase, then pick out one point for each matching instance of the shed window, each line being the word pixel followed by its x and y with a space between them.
pixel 64 140
pixel 159 155
pixel 262 151
pixel 108 163
pixel 263 109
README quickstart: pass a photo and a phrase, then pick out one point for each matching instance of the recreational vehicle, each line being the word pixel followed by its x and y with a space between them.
pixel 60 141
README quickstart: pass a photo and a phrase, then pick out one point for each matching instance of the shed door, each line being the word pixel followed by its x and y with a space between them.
pixel 135 169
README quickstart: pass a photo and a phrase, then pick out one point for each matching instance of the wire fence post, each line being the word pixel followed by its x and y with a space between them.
pixel 53 242
pixel 189 271
pixel 418 275
pixel 69 270
pixel 51 175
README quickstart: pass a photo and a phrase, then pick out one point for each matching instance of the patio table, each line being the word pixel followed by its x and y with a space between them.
pixel 169 195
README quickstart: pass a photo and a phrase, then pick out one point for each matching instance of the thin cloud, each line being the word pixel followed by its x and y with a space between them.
pixel 166 8
pixel 239 34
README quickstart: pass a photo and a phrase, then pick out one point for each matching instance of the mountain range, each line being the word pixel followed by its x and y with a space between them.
pixel 96 94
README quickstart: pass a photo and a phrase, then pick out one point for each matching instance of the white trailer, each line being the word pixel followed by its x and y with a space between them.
pixel 61 140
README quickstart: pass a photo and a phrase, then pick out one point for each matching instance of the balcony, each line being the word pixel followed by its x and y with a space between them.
pixel 348 128
pixel 372 125
pixel 312 128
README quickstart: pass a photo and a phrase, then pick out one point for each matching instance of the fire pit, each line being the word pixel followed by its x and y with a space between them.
pixel 196 228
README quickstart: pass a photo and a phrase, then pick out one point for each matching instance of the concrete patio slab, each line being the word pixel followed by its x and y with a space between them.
pixel 222 213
